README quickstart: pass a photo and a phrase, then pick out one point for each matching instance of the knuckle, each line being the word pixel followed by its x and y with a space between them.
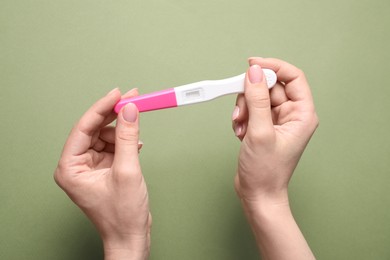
pixel 59 176
pixel 315 121
pixel 129 136
pixel 297 71
pixel 63 174
pixel 311 123
pixel 259 100
pixel 83 126
pixel 300 72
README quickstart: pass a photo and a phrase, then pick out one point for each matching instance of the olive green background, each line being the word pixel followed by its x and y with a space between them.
pixel 58 57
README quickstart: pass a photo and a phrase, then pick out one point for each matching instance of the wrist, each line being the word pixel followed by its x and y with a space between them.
pixel 134 248
pixel 276 232
pixel 266 216
pixel 125 254
pixel 261 198
pixel 266 206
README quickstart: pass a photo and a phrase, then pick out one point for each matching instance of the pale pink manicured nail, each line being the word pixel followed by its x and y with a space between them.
pixel 236 113
pixel 112 91
pixel 255 74
pixel 130 113
pixel 238 130
pixel 254 58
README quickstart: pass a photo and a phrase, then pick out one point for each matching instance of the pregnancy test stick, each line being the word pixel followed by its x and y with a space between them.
pixel 192 93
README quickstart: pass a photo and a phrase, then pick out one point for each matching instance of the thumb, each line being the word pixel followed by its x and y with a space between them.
pixel 126 161
pixel 258 102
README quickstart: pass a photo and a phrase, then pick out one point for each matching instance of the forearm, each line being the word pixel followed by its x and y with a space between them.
pixel 277 234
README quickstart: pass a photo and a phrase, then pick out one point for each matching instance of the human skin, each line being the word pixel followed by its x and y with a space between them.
pixel 274 128
pixel 99 170
pixel 99 166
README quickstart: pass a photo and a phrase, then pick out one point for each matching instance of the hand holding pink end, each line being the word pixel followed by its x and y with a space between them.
pixel 99 170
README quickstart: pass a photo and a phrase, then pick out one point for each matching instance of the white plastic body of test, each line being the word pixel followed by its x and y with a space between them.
pixel 210 89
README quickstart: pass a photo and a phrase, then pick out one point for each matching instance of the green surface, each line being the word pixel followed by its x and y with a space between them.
pixel 58 57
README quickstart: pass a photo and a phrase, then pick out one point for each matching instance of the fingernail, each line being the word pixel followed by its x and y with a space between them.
pixel 254 58
pixel 140 144
pixel 255 74
pixel 236 113
pixel 130 113
pixel 131 92
pixel 238 130
pixel 112 91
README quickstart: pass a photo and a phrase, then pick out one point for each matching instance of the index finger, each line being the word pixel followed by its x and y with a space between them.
pixel 296 85
pixel 96 117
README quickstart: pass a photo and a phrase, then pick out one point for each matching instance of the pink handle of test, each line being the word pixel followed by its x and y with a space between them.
pixel 153 101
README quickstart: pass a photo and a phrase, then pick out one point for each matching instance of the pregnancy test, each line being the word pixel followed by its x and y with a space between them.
pixel 192 93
